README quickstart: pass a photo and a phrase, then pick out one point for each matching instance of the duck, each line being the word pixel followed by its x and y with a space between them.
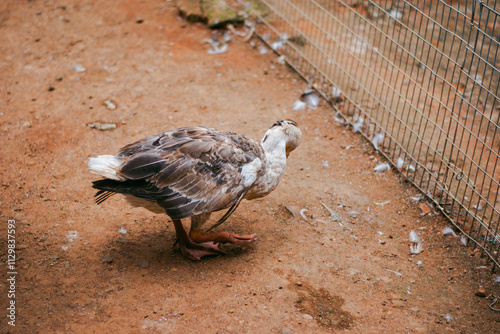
pixel 191 172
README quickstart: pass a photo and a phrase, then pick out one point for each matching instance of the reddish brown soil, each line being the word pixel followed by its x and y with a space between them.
pixel 301 276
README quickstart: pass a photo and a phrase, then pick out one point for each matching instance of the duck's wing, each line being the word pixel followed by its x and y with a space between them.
pixel 188 171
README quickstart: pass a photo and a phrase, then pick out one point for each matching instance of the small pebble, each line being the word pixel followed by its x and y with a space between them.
pixel 102 126
pixel 481 292
pixel 78 68
pixel 425 208
pixel 110 105
pixel 107 259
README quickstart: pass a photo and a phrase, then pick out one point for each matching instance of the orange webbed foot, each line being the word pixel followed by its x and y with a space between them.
pixel 222 237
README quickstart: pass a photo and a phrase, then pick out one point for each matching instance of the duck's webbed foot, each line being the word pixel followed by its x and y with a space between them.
pixel 193 249
pixel 221 237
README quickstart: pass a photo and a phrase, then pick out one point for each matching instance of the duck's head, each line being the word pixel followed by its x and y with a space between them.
pixel 285 129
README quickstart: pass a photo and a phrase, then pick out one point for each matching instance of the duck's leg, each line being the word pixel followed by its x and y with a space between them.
pixel 191 249
pixel 198 236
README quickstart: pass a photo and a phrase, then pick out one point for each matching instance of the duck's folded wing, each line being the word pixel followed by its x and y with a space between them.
pixel 188 171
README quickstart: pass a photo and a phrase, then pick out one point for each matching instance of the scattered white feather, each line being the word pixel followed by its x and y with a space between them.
pixel 72 235
pixel 479 206
pixel 399 163
pixel 311 99
pixel 281 59
pixel 281 43
pixel 326 164
pixel 122 230
pixel 302 213
pixel 417 197
pixel 416 248
pixel 478 79
pixel 262 50
pixel 217 49
pixel 408 290
pixel 382 167
pixel 410 167
pixel 417 245
pixel 356 127
pixel 395 272
pixel 414 237
pixel 448 231
pixel 463 240
pixel 448 318
pixel 377 140
pixel 334 217
pixel 78 68
pixel 226 38
pixel 497 279
pixel 336 92
pixel 338 119
pixel 277 45
pixel 299 105
pixel 395 14
pixel 216 46
pixel 382 203
pixel 64 248
pixel 419 263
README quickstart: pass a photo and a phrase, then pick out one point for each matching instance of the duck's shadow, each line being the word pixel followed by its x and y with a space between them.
pixel 156 250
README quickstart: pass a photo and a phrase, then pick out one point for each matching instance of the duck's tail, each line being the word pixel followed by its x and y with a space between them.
pixel 105 166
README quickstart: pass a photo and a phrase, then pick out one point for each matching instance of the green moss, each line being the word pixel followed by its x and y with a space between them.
pixel 219 12
pixel 257 7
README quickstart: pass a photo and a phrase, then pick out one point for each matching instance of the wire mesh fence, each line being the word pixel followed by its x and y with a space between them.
pixel 422 74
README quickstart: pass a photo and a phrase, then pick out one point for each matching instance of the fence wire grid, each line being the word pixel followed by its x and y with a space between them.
pixel 425 75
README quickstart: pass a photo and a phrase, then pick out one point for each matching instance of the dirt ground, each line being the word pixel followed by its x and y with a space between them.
pixel 84 268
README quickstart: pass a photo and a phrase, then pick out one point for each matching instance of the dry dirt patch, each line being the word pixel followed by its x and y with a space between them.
pixel 88 268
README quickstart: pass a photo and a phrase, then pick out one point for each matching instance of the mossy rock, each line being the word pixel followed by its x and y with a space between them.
pixel 257 7
pixel 215 13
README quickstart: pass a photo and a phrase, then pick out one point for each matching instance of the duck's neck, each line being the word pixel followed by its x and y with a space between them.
pixel 275 151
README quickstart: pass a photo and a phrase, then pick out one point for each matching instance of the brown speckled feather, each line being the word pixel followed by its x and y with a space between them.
pixel 187 171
